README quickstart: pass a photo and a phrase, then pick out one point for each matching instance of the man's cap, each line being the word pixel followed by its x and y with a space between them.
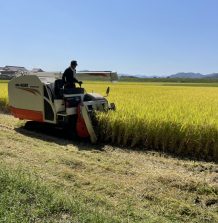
pixel 73 63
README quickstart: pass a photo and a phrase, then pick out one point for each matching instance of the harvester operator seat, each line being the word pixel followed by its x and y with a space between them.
pixel 74 90
pixel 58 89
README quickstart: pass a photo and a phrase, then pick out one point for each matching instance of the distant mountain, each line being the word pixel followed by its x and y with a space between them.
pixel 193 75
pixel 183 75
pixel 214 75
pixel 136 76
pixel 186 75
pixel 144 76
pixel 127 76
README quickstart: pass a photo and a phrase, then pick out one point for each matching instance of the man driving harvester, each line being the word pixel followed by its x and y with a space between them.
pixel 69 74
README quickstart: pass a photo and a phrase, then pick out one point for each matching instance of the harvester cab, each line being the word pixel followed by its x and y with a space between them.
pixel 42 97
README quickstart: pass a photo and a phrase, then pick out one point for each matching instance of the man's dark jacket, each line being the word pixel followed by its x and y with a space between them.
pixel 68 77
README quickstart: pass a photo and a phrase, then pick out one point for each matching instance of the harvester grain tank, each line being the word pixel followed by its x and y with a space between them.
pixel 42 97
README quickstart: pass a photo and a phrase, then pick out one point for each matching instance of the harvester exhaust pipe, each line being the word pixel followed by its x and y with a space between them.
pixel 107 92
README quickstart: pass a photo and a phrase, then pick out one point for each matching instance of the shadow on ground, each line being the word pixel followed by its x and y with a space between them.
pixel 61 136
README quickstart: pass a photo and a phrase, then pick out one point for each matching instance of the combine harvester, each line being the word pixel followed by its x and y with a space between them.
pixel 41 97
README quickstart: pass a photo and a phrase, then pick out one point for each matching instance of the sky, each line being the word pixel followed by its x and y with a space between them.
pixel 150 37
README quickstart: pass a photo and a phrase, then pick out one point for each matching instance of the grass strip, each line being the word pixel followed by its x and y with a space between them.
pixel 24 198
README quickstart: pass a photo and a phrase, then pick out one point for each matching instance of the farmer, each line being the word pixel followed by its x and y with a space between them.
pixel 68 77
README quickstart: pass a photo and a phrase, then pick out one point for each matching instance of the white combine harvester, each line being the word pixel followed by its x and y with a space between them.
pixel 41 97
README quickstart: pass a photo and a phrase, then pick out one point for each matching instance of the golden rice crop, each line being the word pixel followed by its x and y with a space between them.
pixel 176 119
pixel 3 96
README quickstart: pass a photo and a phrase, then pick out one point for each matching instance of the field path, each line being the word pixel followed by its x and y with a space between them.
pixel 134 186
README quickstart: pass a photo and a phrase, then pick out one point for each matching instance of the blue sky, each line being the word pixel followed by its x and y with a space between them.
pixel 152 37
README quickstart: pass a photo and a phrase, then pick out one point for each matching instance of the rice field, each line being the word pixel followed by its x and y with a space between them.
pixel 182 120
pixel 3 96
pixel 177 119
